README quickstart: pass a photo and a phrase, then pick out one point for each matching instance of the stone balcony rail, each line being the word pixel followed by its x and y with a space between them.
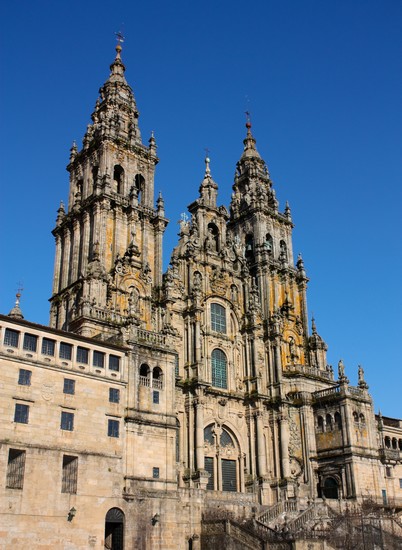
pixel 274 511
pixel 390 454
pixel 308 371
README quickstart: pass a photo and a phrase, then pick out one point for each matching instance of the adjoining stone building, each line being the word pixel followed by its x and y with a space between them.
pixel 156 405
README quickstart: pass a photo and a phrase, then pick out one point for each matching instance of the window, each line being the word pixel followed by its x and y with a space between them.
pixel 21 414
pixel 69 386
pixel 388 471
pixel 113 428
pixel 155 397
pixel 11 338
pixel 157 378
pixel 400 483
pixel 144 375
pixel 99 359
pixel 209 467
pixel 176 365
pixel 48 346
pixel 30 342
pixel 15 469
pixel 69 474
pixel 218 318
pixel 229 481
pixel 114 395
pixel 219 374
pixel 114 363
pixel 65 351
pixel 24 378
pixel 155 473
pixel 82 355
pixel 67 421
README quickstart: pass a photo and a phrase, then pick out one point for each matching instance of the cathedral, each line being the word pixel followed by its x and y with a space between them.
pixel 190 409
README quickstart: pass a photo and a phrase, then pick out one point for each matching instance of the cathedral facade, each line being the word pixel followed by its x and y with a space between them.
pixel 155 401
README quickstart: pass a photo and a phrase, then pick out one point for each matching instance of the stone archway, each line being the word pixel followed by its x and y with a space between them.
pixel 114 529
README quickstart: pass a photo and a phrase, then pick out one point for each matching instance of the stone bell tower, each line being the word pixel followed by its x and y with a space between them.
pixel 108 261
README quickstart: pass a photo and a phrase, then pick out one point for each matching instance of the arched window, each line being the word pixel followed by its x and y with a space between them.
pixel 362 419
pixel 218 318
pixel 249 247
pixel 328 422
pixel 213 237
pixel 387 442
pixel 400 444
pixel 114 529
pixel 269 244
pixel 219 369
pixel 394 443
pixel 283 251
pixel 139 184
pixel 338 421
pixel 144 375
pixel 355 417
pixel 320 423
pixel 118 178
pixel 330 489
pixel 223 458
pixel 157 378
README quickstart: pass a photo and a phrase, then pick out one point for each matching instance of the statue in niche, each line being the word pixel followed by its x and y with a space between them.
pixel 210 243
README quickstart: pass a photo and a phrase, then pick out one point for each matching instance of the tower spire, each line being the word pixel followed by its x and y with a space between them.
pixel 16 312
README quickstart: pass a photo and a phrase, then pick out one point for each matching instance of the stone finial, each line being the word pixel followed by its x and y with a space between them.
pixel 342 379
pixel 16 312
pixel 61 213
pixel 288 213
pixel 160 205
pixel 73 151
pixel 152 142
pixel 361 381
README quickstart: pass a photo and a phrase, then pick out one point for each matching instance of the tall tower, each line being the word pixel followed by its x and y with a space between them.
pixel 108 261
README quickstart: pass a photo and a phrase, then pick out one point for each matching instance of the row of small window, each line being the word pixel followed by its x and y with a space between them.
pixel 393 443
pixel 30 343
pixel 25 377
pixel 329 423
pixel 21 416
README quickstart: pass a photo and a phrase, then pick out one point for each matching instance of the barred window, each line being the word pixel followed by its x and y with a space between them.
pixel 11 338
pixel 155 397
pixel 99 359
pixel 69 474
pixel 15 469
pixel 113 428
pixel 21 413
pixel 30 342
pixel 69 386
pixel 114 362
pixel 155 473
pixel 218 318
pixel 114 395
pixel 219 371
pixel 176 365
pixel 67 421
pixel 24 377
pixel 48 346
pixel 82 355
pixel 66 351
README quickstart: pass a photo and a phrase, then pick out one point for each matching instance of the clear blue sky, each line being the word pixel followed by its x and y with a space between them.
pixel 323 82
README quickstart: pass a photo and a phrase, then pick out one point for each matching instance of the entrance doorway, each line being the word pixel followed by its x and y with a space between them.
pixel 114 530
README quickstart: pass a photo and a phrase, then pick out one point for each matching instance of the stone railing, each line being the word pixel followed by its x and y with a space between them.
pixel 147 336
pixel 303 518
pixel 390 454
pixel 308 371
pixel 277 509
pixel 329 392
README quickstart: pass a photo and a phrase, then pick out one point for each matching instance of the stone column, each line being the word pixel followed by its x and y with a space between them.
pixel 86 230
pixel 284 435
pixel 66 258
pixel 75 247
pixel 57 265
pixel 199 433
pixel 261 451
